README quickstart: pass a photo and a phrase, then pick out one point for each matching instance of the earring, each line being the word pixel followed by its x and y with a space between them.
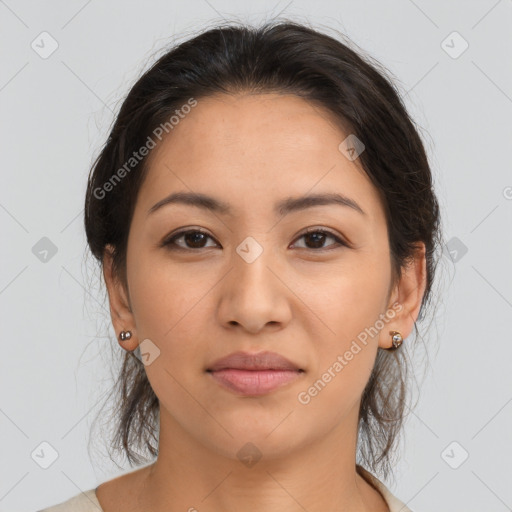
pixel 396 339
pixel 125 335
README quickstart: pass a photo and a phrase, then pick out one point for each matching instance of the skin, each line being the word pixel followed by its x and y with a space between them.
pixel 306 301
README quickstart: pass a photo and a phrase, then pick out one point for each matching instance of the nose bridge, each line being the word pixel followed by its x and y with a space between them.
pixel 251 261
pixel 252 295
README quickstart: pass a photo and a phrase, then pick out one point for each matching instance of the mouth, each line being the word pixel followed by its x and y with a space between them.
pixel 254 374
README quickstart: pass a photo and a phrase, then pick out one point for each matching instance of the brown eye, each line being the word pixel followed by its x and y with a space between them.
pixel 193 239
pixel 315 239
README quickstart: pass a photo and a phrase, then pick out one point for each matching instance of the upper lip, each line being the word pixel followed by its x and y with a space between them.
pixel 258 361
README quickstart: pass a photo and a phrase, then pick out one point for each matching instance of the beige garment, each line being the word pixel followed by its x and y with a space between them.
pixel 87 501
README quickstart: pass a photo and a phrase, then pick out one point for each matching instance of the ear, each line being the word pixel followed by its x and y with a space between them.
pixel 120 309
pixel 406 297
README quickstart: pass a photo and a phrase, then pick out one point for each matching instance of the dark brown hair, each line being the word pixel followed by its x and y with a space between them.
pixel 288 58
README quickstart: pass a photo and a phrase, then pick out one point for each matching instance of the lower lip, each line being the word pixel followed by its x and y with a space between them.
pixel 254 382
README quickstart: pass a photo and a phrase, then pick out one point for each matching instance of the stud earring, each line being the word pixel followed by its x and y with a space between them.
pixel 396 340
pixel 125 335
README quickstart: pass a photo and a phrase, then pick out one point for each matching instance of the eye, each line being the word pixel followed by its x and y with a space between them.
pixel 317 238
pixel 194 237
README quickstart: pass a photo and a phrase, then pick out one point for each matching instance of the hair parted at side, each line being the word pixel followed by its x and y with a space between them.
pixel 289 58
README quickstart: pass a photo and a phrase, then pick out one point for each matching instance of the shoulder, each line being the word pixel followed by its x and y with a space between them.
pixel 83 502
pixel 394 504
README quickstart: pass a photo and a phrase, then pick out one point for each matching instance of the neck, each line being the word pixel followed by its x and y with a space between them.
pixel 263 477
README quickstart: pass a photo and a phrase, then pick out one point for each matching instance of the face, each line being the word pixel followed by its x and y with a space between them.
pixel 205 283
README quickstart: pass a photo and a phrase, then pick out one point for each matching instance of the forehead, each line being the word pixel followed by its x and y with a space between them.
pixel 253 123
pixel 248 148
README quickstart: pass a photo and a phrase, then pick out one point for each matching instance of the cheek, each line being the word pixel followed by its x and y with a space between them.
pixel 167 307
pixel 350 308
pixel 351 298
pixel 344 357
pixel 163 297
pixel 170 307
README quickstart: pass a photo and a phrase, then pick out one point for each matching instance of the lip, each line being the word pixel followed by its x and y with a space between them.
pixel 257 361
pixel 254 382
pixel 254 374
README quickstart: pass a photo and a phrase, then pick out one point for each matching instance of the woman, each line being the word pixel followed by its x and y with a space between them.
pixel 264 216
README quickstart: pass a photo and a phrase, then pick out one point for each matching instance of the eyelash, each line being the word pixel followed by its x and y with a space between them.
pixel 171 245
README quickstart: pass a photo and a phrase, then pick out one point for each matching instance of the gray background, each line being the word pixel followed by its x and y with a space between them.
pixel 55 113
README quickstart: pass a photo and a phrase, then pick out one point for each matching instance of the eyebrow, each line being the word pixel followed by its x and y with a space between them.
pixel 283 207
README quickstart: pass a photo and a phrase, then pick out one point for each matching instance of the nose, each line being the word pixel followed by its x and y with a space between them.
pixel 253 294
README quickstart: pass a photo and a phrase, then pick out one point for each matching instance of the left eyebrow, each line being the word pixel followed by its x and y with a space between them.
pixel 283 207
pixel 300 203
